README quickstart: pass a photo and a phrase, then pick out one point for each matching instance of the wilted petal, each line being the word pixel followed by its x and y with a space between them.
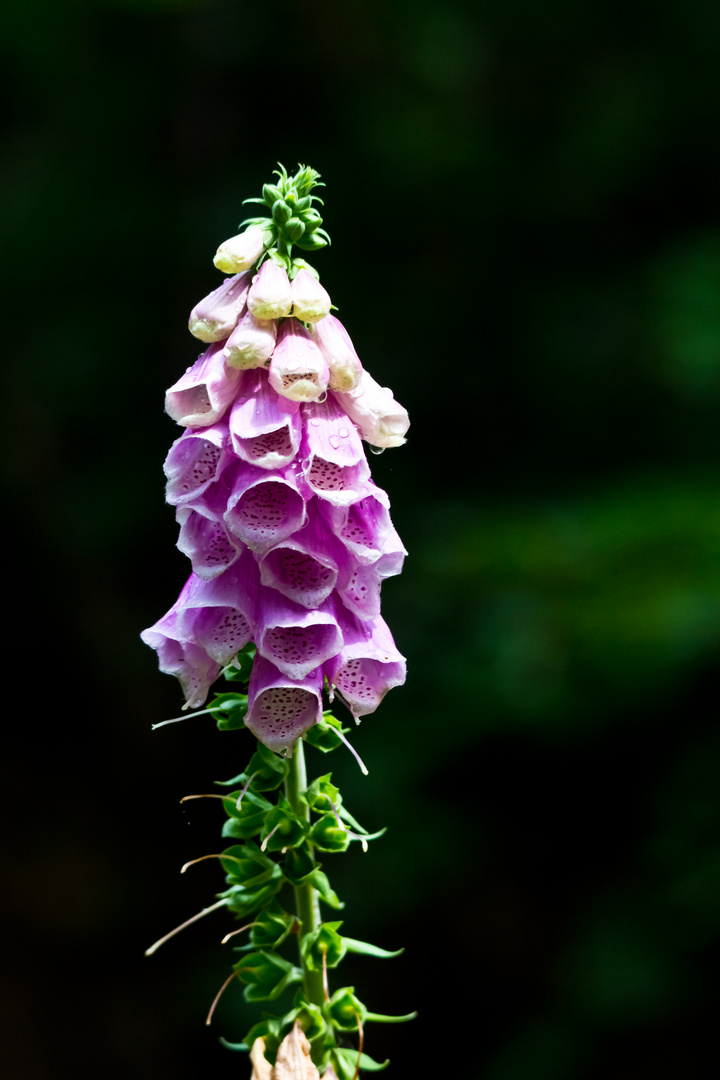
pixel 335 466
pixel 293 1058
pixel 206 542
pixel 263 507
pixel 311 302
pixel 368 665
pixel 295 639
pixel 219 615
pixel 216 315
pixel 298 369
pixel 337 348
pixel 262 1069
pixel 194 461
pixel 240 252
pixel 251 343
pixel 270 295
pixel 305 566
pixel 200 397
pixel 193 667
pixel 281 709
pixel 263 432
pixel 381 419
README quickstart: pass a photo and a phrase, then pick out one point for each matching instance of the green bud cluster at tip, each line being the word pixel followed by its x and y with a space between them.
pixel 293 218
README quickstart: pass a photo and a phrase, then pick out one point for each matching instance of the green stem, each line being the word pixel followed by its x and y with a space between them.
pixel 306 897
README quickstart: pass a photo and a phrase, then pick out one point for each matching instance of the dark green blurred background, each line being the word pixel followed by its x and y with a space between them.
pixel 523 201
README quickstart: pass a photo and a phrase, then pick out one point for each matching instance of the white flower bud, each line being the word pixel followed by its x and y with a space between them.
pixel 311 302
pixel 337 348
pixel 240 252
pixel 270 295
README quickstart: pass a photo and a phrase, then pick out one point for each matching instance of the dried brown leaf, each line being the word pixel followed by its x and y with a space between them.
pixel 262 1069
pixel 293 1058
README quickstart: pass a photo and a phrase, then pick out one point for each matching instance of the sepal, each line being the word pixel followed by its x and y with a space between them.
pixel 364 948
pixel 229 711
pixel 272 926
pixel 266 975
pixel 345 1062
pixel 282 828
pixel 323 947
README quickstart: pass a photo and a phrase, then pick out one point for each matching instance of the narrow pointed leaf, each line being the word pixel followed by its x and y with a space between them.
pixel 364 948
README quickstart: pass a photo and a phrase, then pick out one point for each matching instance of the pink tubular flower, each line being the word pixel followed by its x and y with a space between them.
pixel 337 348
pixel 288 537
pixel 179 656
pixel 311 302
pixel 264 507
pixel 335 465
pixel 194 461
pixel 215 316
pixel 367 666
pixel 201 396
pixel 264 430
pixel 298 370
pixel 270 295
pixel 240 252
pixel 208 545
pixel 382 421
pixel 295 639
pixel 281 709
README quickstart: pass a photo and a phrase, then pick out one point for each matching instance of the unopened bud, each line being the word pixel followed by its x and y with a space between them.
pixel 270 295
pixel 337 348
pixel 311 302
pixel 281 212
pixel 251 343
pixel 311 242
pixel 271 193
pixel 216 315
pixel 294 229
pixel 241 251
pixel 298 370
pixel 382 421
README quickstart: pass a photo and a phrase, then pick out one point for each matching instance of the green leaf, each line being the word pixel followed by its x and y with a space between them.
pixel 234 1046
pixel 268 1029
pixel 346 1060
pixel 323 735
pixel 241 668
pixel 229 711
pixel 378 1018
pixel 319 881
pixel 365 949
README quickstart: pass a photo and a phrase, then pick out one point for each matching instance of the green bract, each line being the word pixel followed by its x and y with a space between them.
pixel 293 218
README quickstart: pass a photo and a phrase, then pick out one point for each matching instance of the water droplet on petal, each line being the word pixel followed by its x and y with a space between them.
pixel 322 399
pixel 377 449
pixel 315 422
pixel 334 442
pixel 343 433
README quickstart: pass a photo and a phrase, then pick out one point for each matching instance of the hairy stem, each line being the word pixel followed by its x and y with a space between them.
pixel 306 897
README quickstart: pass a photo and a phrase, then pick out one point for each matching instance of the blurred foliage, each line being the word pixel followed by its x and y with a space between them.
pixel 534 267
